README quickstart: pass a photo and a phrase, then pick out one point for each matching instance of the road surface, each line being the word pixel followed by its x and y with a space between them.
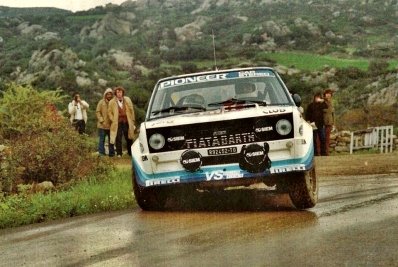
pixel 355 223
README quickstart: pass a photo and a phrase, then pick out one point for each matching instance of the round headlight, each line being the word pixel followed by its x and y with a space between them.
pixel 157 141
pixel 283 127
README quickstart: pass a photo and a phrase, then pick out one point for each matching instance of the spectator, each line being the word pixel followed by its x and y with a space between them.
pixel 328 116
pixel 121 115
pixel 78 113
pixel 314 115
pixel 104 124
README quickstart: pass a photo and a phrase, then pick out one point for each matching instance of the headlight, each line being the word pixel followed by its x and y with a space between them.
pixel 157 141
pixel 283 127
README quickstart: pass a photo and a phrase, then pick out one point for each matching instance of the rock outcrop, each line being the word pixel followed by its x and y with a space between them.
pixel 387 96
pixel 25 28
pixel 192 30
pixel 109 25
pixel 50 65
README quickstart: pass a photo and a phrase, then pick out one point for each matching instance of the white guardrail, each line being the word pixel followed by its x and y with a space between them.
pixel 375 137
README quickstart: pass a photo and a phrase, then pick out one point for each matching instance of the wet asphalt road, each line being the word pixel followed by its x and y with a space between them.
pixel 355 223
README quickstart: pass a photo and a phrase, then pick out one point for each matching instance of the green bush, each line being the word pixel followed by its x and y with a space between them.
pixel 41 144
pixel 23 110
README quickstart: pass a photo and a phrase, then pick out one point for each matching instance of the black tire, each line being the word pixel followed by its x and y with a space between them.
pixel 151 198
pixel 303 189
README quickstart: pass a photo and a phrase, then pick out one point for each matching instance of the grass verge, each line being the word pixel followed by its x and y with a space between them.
pixel 90 196
pixel 115 192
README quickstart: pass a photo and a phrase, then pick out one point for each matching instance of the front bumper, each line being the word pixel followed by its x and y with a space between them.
pixel 285 156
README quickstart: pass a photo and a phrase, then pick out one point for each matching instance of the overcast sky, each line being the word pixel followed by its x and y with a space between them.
pixel 74 5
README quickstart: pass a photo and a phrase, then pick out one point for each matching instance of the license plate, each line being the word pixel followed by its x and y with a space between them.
pixel 222 151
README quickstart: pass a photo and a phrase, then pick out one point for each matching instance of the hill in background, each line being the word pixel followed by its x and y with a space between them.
pixel 138 42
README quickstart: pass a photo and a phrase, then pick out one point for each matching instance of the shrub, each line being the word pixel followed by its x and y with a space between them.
pixel 23 110
pixel 189 67
pixel 42 145
pixel 372 116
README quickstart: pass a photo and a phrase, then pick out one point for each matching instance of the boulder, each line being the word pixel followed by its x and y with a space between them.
pixel 274 29
pixel 191 31
pixel 83 81
pixel 341 149
pixel 387 96
pixel 102 82
pixel 43 187
pixel 127 16
pixel 344 139
pixel 47 36
pixel 122 59
pixel 26 29
pixel 313 29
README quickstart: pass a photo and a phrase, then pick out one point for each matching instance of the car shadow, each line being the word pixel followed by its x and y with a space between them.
pixel 229 200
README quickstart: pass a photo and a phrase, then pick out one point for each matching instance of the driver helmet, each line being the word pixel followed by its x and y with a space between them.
pixel 195 99
pixel 246 89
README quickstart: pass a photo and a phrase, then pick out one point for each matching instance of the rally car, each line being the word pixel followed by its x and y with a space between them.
pixel 222 129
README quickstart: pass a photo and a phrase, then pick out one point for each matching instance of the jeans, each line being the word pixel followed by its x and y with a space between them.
pixel 80 126
pixel 102 134
pixel 328 130
pixel 123 130
pixel 319 142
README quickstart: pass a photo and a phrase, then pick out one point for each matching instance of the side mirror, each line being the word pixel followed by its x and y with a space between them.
pixel 297 99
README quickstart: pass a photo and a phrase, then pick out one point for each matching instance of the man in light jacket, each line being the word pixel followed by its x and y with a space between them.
pixel 122 117
pixel 104 124
pixel 78 113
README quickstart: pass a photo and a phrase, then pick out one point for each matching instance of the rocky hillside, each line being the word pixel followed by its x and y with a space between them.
pixel 139 41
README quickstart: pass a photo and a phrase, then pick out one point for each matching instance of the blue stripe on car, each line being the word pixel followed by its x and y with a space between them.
pixel 203 173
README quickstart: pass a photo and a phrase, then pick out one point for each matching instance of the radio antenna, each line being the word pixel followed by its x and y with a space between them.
pixel 214 50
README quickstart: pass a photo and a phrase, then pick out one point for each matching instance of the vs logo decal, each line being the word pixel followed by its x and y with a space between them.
pixel 219 175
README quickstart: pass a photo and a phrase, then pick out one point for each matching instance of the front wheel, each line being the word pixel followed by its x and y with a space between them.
pixel 303 189
pixel 151 198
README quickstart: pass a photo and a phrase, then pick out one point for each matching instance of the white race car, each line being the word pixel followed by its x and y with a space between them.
pixel 221 129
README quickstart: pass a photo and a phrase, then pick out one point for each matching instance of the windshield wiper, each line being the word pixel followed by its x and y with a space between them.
pixel 236 101
pixel 178 108
pixel 259 102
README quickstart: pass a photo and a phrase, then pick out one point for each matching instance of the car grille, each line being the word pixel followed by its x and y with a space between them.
pixel 221 133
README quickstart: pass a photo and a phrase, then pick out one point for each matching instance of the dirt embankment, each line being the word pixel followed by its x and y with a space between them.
pixel 357 164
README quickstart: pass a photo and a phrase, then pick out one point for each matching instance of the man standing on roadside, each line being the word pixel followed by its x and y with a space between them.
pixel 314 115
pixel 328 116
pixel 122 117
pixel 78 113
pixel 104 124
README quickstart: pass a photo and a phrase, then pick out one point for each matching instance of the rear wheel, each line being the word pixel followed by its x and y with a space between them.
pixel 303 189
pixel 149 198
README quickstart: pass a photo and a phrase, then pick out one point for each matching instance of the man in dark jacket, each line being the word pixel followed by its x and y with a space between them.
pixel 328 117
pixel 314 114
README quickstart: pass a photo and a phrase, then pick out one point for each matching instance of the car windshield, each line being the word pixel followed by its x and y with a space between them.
pixel 203 92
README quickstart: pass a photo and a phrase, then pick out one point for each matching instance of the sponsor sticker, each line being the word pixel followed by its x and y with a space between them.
pixel 193 79
pixel 220 175
pixel 299 167
pixel 253 73
pixel 170 180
